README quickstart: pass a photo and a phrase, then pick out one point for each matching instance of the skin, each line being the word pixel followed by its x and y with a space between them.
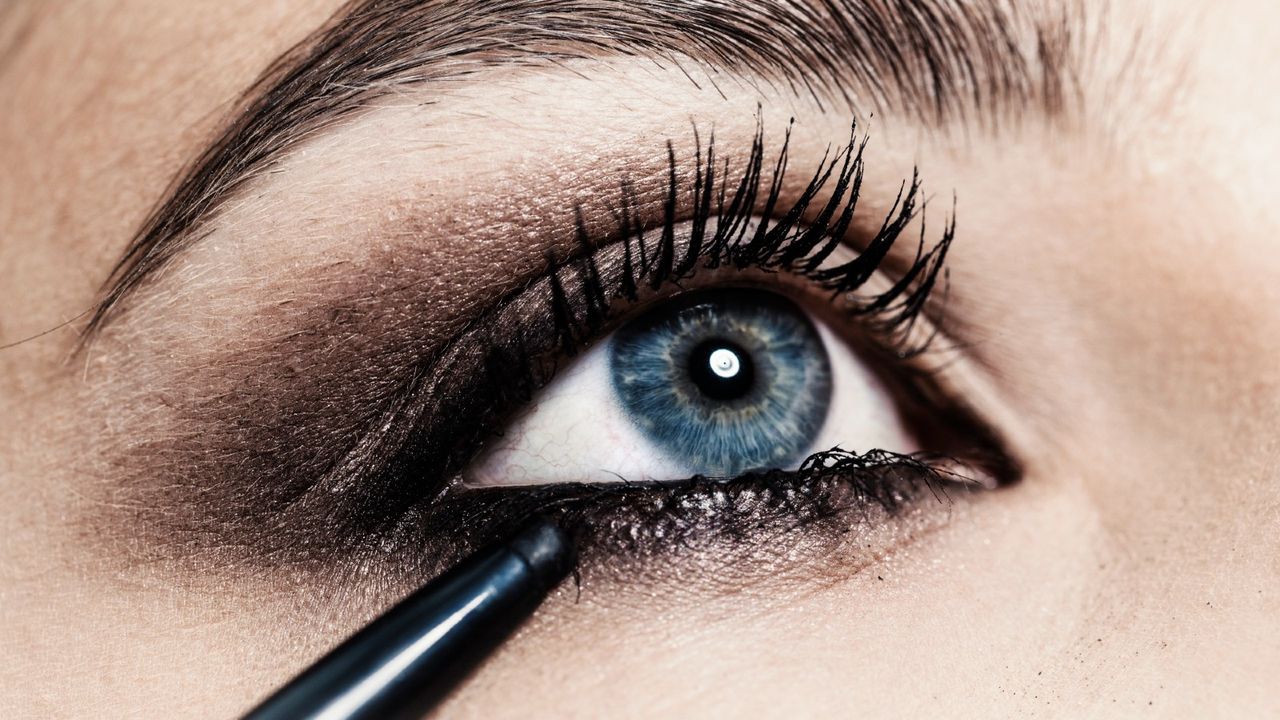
pixel 1116 278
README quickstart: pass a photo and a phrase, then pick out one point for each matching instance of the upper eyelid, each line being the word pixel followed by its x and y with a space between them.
pixel 299 95
pixel 754 241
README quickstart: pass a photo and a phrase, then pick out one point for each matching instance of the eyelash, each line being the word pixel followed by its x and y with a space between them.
pixel 452 405
pixel 786 245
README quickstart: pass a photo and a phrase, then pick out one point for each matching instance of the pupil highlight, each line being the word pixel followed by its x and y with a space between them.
pixel 721 370
pixel 724 362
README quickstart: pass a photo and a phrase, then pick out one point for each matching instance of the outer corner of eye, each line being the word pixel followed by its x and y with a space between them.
pixel 715 383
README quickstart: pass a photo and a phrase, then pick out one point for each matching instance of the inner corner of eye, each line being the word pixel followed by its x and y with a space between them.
pixel 716 383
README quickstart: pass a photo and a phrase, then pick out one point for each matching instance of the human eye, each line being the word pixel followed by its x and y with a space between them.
pixel 754 363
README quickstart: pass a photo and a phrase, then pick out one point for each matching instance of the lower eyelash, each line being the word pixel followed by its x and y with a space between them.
pixel 836 491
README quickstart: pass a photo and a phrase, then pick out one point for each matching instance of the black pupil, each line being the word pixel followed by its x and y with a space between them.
pixel 721 370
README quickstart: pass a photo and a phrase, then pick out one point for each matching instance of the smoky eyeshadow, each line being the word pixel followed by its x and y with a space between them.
pixel 340 445
pixel 322 446
pixel 311 448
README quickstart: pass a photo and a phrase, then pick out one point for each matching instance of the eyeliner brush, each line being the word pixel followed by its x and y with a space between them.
pixel 408 660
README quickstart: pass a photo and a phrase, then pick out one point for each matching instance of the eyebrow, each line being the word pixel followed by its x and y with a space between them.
pixel 977 62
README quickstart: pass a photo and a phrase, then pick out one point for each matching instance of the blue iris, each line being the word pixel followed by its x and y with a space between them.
pixel 724 381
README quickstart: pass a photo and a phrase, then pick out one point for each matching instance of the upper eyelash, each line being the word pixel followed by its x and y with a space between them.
pixel 786 245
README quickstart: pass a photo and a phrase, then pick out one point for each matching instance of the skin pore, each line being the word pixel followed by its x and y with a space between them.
pixel 1112 287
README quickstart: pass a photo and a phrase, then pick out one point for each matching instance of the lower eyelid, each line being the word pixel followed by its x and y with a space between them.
pixel 751 530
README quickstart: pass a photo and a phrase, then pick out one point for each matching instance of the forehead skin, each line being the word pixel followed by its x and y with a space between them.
pixel 1138 571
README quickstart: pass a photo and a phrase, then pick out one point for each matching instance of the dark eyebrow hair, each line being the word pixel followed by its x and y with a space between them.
pixel 980 62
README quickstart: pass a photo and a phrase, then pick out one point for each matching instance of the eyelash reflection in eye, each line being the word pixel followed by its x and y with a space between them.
pixel 709 224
